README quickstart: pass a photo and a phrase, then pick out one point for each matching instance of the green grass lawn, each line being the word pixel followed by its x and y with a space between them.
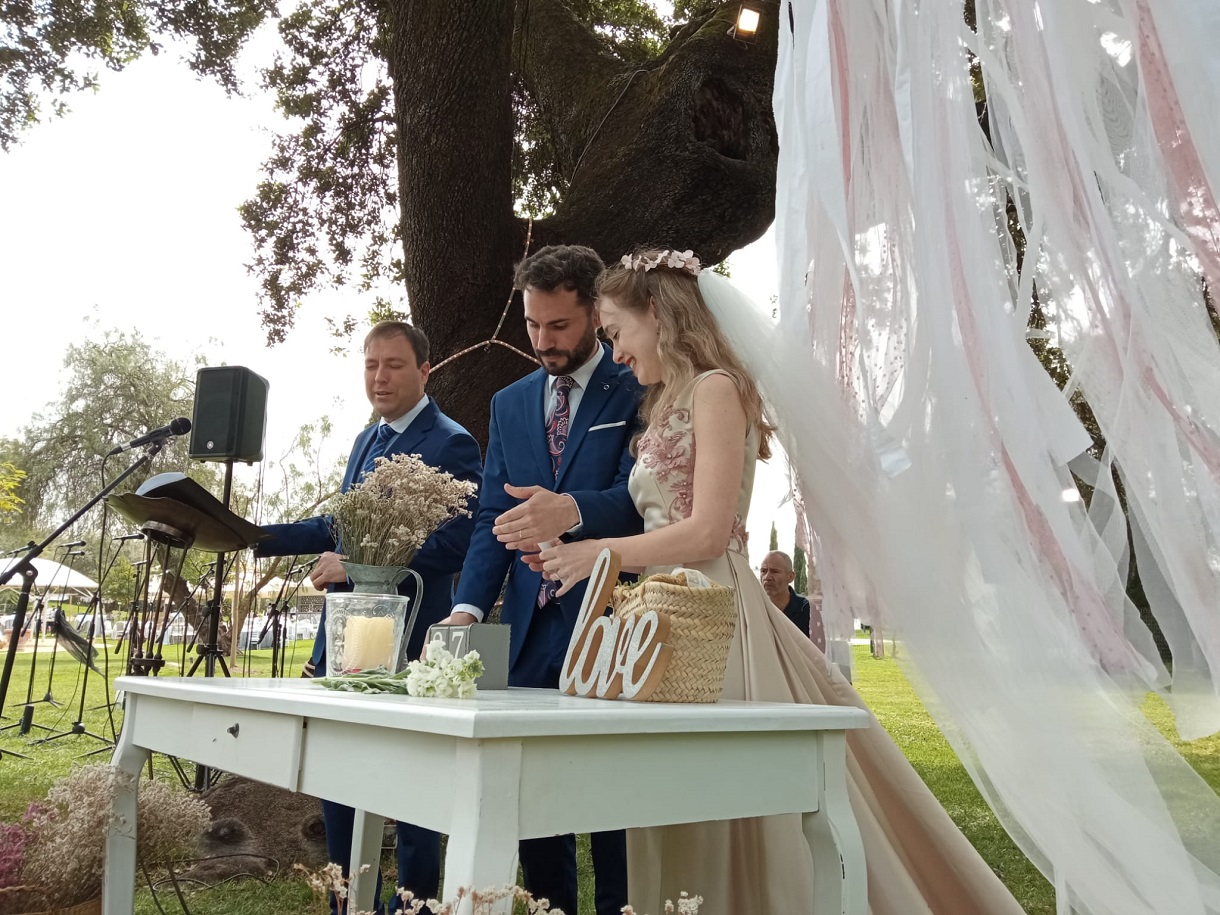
pixel 880 682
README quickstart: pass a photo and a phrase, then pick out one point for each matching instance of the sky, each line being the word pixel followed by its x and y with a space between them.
pixel 123 214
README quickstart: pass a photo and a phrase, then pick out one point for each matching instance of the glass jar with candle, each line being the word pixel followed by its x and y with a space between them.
pixel 365 631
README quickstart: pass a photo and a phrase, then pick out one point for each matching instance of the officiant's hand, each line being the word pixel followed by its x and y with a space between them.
pixel 544 515
pixel 569 563
pixel 328 570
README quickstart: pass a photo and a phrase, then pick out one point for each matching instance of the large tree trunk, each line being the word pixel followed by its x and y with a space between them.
pixel 451 64
pixel 681 153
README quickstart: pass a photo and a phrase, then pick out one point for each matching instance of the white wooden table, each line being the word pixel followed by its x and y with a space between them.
pixel 509 765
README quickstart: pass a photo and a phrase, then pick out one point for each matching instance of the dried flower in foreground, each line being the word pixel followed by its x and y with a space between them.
pixel 388 515
pixel 330 879
pixel 61 855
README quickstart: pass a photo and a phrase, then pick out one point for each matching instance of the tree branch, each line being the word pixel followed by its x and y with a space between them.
pixel 687 156
pixel 569 71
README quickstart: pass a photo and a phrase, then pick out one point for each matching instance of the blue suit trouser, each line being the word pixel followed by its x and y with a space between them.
pixel 549 864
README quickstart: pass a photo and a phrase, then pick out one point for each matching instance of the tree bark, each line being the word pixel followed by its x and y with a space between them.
pixel 451 64
pixel 681 153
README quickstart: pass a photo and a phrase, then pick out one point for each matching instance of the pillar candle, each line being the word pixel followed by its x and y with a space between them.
pixel 368 641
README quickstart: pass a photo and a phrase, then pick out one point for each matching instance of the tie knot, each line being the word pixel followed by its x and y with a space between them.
pixel 563 384
pixel 385 432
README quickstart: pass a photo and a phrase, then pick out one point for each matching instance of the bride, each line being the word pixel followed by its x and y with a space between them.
pixel 705 429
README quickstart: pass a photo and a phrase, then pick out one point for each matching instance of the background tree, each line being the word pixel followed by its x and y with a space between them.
pixel 591 117
pixel 115 387
pixel 773 543
pixel 49 50
pixel 422 136
pixel 10 479
pixel 800 566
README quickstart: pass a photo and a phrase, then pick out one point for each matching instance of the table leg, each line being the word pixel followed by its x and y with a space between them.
pixel 482 850
pixel 840 879
pixel 368 829
pixel 119 874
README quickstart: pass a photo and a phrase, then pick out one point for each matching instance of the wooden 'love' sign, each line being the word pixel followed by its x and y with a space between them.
pixel 612 656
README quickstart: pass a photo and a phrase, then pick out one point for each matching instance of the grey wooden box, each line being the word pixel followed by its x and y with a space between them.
pixel 489 640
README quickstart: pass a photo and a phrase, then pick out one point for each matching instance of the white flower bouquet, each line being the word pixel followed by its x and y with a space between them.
pixel 442 676
pixel 439 676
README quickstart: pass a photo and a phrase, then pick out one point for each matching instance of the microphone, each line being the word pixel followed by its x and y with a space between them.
pixel 127 537
pixel 179 426
pixel 76 553
pixel 68 546
pixel 21 549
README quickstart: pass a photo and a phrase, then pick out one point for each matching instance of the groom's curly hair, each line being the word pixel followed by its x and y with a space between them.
pixel 571 267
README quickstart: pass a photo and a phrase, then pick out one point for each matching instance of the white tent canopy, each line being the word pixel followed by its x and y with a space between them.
pixel 51 574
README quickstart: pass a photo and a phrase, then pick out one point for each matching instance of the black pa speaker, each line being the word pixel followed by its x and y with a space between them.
pixel 230 415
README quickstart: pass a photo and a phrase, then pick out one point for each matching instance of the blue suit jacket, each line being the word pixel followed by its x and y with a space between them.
pixel 596 465
pixel 441 443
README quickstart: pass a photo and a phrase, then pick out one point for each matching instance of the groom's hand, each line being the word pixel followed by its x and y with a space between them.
pixel 460 618
pixel 544 515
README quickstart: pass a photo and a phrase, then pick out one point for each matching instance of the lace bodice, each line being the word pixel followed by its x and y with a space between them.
pixel 663 480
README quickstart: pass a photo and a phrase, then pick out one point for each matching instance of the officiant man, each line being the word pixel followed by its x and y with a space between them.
pixel 558 460
pixel 396 371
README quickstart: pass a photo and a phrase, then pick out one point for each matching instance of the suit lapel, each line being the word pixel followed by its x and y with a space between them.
pixel 360 451
pixel 409 440
pixel 533 423
pixel 602 384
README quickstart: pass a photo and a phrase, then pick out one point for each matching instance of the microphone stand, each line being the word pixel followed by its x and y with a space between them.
pixel 48 698
pixel 273 622
pixel 25 568
pixel 78 726
pixel 37 623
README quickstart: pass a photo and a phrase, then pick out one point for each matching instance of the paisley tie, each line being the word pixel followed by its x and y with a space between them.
pixel 556 439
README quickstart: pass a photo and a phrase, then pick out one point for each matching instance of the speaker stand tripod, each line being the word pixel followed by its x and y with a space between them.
pixel 209 653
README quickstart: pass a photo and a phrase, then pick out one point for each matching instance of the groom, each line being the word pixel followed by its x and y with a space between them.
pixel 558 459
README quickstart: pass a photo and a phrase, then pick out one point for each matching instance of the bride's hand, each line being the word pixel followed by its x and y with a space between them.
pixel 569 563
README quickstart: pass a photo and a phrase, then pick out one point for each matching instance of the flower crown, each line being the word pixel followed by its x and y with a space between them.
pixel 678 260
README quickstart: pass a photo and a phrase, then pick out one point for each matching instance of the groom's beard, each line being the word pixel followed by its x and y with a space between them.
pixel 567 361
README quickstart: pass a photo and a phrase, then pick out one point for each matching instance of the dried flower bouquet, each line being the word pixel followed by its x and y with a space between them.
pixel 386 517
pixel 52 859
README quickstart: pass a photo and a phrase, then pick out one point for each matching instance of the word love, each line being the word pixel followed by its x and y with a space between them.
pixel 610 656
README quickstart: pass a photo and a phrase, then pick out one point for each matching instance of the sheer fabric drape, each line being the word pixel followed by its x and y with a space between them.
pixel 934 455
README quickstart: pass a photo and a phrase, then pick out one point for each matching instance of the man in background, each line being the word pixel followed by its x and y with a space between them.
pixel 777 576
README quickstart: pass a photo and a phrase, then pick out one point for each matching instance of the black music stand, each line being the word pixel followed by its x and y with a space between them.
pixel 47 626
pixel 175 511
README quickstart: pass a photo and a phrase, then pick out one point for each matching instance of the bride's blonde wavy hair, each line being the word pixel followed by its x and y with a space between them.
pixel 689 339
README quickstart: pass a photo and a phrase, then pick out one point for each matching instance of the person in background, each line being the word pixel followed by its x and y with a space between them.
pixel 777 576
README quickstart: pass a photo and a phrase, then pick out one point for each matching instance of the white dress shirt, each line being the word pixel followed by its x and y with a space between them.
pixel 400 425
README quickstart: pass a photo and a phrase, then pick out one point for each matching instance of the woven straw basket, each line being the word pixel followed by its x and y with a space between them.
pixel 702 621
